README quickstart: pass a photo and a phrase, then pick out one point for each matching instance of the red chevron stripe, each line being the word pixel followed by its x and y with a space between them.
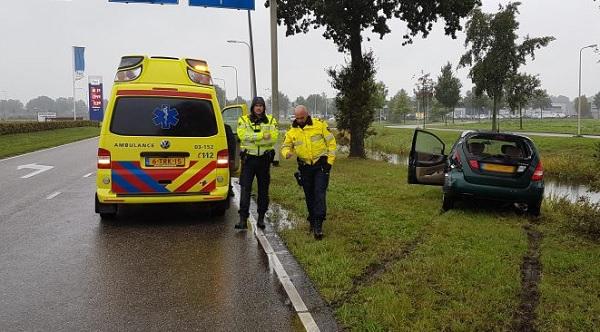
pixel 131 178
pixel 197 177
pixel 167 173
pixel 209 187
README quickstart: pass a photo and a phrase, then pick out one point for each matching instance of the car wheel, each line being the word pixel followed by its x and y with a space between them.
pixel 447 202
pixel 108 216
pixel 534 208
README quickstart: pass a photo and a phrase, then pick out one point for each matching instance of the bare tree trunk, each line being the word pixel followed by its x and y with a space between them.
pixel 494 111
pixel 357 137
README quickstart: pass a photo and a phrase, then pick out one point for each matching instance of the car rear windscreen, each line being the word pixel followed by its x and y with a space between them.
pixel 158 116
pixel 499 146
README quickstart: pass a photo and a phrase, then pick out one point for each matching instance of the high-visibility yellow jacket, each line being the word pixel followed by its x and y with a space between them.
pixel 311 142
pixel 252 135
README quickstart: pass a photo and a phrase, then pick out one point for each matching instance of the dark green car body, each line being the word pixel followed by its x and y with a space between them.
pixel 487 165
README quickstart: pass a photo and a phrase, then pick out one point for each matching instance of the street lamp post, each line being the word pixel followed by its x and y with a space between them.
pixel 252 70
pixel 579 98
pixel 237 91
pixel 224 89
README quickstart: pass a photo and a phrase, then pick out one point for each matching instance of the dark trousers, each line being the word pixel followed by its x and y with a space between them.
pixel 259 167
pixel 314 183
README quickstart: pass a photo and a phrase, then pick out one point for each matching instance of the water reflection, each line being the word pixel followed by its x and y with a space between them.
pixel 553 189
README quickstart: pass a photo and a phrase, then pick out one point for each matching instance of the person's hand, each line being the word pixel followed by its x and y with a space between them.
pixel 326 168
pixel 267 135
pixel 288 155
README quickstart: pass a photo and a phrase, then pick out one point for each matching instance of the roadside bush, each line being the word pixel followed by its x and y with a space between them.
pixel 7 128
pixel 582 217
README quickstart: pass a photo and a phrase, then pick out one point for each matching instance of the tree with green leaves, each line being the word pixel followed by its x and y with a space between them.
pixel 284 104
pixel 399 106
pixel 343 22
pixel 476 103
pixel 380 97
pixel 520 88
pixel 447 89
pixel 586 111
pixel 494 55
pixel 597 101
pixel 540 100
pixel 424 95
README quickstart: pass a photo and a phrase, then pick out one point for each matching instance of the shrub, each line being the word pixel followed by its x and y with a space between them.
pixel 7 128
pixel 582 217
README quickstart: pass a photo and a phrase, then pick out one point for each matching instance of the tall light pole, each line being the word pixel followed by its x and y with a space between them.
pixel 224 89
pixel 237 91
pixel 252 70
pixel 579 97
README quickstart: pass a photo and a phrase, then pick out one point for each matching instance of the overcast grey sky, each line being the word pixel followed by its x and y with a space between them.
pixel 37 36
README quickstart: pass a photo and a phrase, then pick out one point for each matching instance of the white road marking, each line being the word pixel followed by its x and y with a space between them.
pixel 39 169
pixel 54 194
pixel 52 148
pixel 305 316
pixel 88 174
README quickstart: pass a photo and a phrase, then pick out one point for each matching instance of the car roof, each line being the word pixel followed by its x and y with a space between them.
pixel 468 133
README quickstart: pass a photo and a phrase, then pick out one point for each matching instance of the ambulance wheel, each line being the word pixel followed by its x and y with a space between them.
pixel 219 208
pixel 106 211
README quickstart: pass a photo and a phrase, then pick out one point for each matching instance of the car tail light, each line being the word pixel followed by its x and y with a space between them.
pixel 223 159
pixel 128 74
pixel 103 159
pixel 474 164
pixel 456 158
pixel 538 174
pixel 200 78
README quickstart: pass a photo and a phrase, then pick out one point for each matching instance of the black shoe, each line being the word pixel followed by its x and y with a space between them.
pixel 260 222
pixel 318 235
pixel 243 224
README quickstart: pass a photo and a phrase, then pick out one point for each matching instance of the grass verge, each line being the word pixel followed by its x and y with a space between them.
pixel 391 261
pixel 15 144
pixel 562 126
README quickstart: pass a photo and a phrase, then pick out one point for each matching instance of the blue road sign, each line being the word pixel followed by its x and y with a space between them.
pixel 233 4
pixel 159 2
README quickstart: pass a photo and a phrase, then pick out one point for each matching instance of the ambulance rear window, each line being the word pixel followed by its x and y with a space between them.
pixel 158 116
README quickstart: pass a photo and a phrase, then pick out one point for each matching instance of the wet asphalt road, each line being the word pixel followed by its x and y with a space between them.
pixel 155 268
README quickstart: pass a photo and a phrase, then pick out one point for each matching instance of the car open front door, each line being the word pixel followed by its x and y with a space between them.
pixel 427 161
pixel 231 115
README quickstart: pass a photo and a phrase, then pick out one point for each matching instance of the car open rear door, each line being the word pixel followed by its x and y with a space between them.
pixel 427 161
pixel 231 114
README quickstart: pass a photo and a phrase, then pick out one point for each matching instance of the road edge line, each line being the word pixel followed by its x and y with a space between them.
pixel 302 311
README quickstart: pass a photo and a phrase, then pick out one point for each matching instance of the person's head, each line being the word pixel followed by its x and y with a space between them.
pixel 258 106
pixel 301 114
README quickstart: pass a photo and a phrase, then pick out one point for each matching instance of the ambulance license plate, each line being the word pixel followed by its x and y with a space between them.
pixel 165 161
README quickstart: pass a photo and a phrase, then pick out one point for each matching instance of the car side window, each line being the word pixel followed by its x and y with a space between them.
pixel 428 143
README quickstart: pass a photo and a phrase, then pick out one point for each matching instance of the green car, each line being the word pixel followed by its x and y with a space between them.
pixel 488 165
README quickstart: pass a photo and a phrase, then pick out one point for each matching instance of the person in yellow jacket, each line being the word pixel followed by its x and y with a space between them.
pixel 258 134
pixel 310 140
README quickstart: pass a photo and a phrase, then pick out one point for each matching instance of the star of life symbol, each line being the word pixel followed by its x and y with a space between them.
pixel 165 117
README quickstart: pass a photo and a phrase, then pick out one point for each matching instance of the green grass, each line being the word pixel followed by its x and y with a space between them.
pixel 458 270
pixel 15 144
pixel 564 158
pixel 564 126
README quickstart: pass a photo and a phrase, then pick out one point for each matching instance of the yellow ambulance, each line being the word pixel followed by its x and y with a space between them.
pixel 163 138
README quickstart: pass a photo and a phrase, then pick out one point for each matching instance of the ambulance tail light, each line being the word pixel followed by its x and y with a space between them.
pixel 223 159
pixel 200 78
pixel 198 65
pixel 128 74
pixel 103 159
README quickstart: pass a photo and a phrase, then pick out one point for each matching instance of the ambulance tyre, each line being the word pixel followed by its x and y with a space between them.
pixel 106 211
pixel 219 208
